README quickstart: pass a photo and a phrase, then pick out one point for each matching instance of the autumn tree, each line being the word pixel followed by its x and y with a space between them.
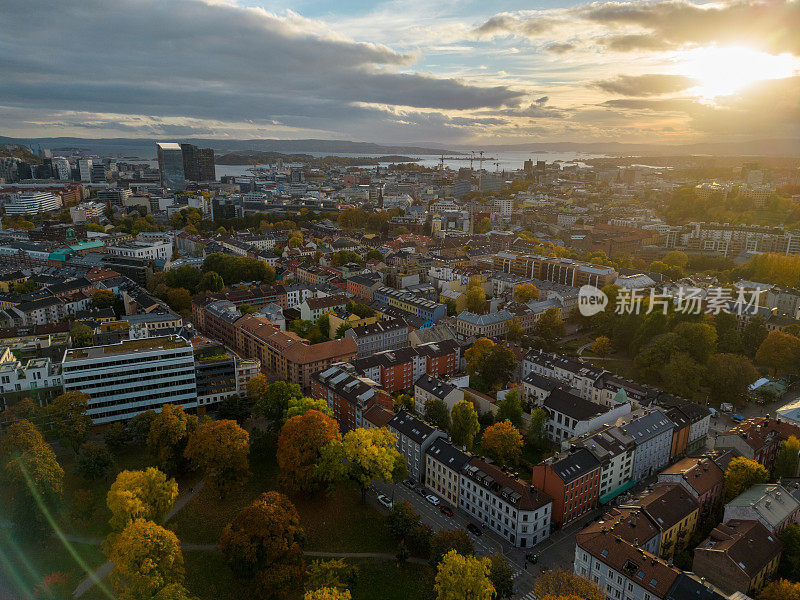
pixel 782 589
pixel 525 292
pixel 549 326
pixel 220 450
pixel 741 475
pixel 81 335
pixel 146 494
pixel 93 461
pixel 404 402
pixel 334 573
pixel 300 406
pixel 787 459
pixel 676 258
pixel 445 540
pixel 360 457
pixel 780 352
pixel 179 300
pixel 465 424
pixel 147 558
pixel 103 299
pixel 699 340
pixel 264 545
pixel 299 444
pixel 271 400
pixel 502 442
pixel 514 331
pixel 169 434
pixel 729 377
pixel 560 583
pixel 475 299
pixel 682 375
pixel 489 365
pixel 463 578
pixel 326 593
pixel 602 346
pixel 437 413
pixel 501 576
pixel 67 412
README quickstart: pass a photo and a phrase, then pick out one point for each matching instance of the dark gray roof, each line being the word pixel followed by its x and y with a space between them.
pixel 542 382
pixel 411 427
pixel 576 463
pixel 573 406
pixel 447 454
pixel 688 588
pixel 648 426
pixel 434 386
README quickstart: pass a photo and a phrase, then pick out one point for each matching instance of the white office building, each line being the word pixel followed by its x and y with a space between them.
pixel 85 166
pixel 152 250
pixel 30 203
pixel 125 379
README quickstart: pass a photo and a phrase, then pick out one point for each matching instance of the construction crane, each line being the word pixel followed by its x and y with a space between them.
pixel 497 167
pixel 480 162
pixel 471 158
pixel 441 167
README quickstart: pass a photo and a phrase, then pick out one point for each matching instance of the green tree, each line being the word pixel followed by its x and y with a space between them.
pixel 179 300
pixel 104 299
pixel 779 351
pixel 168 436
pixel 676 258
pixel 787 459
pixel 300 406
pixel 340 331
pixel 790 557
pixel 515 331
pixel 146 494
pixel 510 407
pixel 682 375
pixel 465 424
pixel 446 540
pixel 482 226
pixel 699 340
pixel 463 578
pixel 501 576
pixel 753 334
pixel 536 436
pixel 549 326
pixel 437 413
pixel 729 341
pixel 210 282
pixel 70 421
pixel 81 335
pixel 271 400
pixel 741 475
pixel 93 461
pixel 729 377
pixel 402 519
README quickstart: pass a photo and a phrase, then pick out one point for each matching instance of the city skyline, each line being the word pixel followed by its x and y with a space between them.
pixel 391 72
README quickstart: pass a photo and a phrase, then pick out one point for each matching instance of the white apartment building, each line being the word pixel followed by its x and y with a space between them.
pixel 132 376
pixel 571 416
pixel 575 374
pixel 614 449
pixel 30 203
pixel 86 211
pixel 39 378
pixel 518 512
pixel 246 369
pixel 153 250
pixel 85 167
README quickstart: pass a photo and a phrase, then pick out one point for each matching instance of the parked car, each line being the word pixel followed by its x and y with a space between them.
pixel 726 407
pixel 446 510
pixel 532 558
pixel 432 499
pixel 474 529
pixel 410 483
pixel 385 501
pixel 737 418
pixel 420 489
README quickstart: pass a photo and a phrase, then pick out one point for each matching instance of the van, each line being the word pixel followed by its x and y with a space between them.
pixel 726 407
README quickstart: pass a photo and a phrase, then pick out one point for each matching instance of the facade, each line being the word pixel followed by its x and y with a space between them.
pixel 410 303
pixel 198 163
pixel 155 250
pixel 38 379
pixel 700 477
pixel 170 165
pixel 758 439
pixel 432 388
pixel 614 449
pixel 132 376
pixel 570 416
pixel 414 437
pixel 768 503
pixel 558 270
pixel 443 465
pixel 738 556
pixel 518 512
pixel 538 387
pixel 387 334
pixel 572 480
pixel 399 369
pixel 348 395
pixel 215 373
pixel 30 203
pixel 313 308
pixel 491 325
pixel 652 434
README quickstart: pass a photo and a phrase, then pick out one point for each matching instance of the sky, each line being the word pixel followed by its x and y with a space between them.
pixel 414 71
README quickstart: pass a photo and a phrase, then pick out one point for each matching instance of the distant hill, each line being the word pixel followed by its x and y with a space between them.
pixel 145 148
pixel 254 157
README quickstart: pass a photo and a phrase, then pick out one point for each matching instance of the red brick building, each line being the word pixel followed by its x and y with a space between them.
pixel 572 479
pixel 398 369
pixel 349 396
pixel 758 439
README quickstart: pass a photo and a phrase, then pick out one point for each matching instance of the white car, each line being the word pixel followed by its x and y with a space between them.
pixel 432 499
pixel 385 501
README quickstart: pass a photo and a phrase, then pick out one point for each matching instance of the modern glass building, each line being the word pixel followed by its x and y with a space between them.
pixel 170 165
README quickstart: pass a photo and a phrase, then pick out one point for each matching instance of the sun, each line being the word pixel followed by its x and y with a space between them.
pixel 724 70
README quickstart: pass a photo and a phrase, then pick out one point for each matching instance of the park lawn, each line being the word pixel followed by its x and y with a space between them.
pixel 619 363
pixel 23 563
pixel 387 580
pixel 208 578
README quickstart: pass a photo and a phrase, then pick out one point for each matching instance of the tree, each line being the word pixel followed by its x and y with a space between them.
pixel 374 255
pixel 139 426
pixel 179 300
pixel 299 406
pixel 515 331
pixel 742 474
pixel 682 375
pixel 475 299
pixel 787 459
pixel 169 434
pixel 94 461
pixel 271 399
pixel 147 558
pixel 729 341
pixel 264 545
pixel 104 299
pixel 676 258
pixel 146 494
pixel 549 326
pixel 402 519
pixel 536 436
pixel 489 365
pixel 234 407
pixel 465 424
pixel 502 442
pixel 510 407
pixel 210 282
pixel 753 334
pixel 220 450
pixel 70 421
pixel 729 377
pixel 299 444
pixel 362 456
pixel 525 292
pixel 445 540
pixel 790 557
pixel 501 576
pixel 81 335
pixel 437 413
pixel 699 340
pixel 602 346
pixel 340 331
pixel 781 589
pixel 560 583
pixel 327 594
pixel 780 352
pixel 334 573
pixel 463 578
pixel 482 226
pixel 116 436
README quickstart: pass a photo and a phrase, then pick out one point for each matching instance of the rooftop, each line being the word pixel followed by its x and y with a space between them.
pixel 127 347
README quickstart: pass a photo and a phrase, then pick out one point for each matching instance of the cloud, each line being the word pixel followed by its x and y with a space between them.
pixel 560 47
pixel 645 85
pixel 211 61
pixel 511 24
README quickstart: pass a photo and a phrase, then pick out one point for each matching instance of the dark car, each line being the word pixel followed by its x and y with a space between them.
pixel 474 529
pixel 410 483
pixel 532 558
pixel 446 510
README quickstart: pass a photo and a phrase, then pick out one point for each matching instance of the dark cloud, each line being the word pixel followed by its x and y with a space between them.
pixel 560 47
pixel 645 85
pixel 509 24
pixel 188 58
pixel 635 41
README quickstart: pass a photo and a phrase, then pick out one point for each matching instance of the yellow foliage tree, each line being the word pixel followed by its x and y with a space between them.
pixel 220 450
pixel 503 442
pixel 463 578
pixel 144 494
pixel 782 589
pixel 561 584
pixel 526 292
pixel 742 474
pixel 327 593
